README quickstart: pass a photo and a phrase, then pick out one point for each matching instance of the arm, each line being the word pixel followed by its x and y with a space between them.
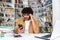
pixel 17 29
pixel 35 25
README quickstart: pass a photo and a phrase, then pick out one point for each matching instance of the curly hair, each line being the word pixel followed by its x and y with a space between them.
pixel 27 10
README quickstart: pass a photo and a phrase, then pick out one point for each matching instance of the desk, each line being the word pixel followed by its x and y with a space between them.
pixel 9 36
pixel 25 36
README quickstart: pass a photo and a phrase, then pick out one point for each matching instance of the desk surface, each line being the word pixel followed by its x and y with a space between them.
pixel 25 36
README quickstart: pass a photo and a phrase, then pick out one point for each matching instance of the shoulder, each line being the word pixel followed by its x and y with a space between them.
pixel 18 19
pixel 36 20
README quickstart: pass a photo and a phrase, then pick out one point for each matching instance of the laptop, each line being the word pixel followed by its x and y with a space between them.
pixel 45 37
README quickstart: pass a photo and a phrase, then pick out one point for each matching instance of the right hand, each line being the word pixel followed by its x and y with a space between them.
pixel 20 31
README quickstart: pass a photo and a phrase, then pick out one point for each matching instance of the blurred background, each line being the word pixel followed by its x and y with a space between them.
pixel 11 9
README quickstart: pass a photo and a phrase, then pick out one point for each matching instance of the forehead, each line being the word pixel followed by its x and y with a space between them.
pixel 26 14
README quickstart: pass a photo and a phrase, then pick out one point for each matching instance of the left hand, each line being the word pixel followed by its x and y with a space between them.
pixel 31 17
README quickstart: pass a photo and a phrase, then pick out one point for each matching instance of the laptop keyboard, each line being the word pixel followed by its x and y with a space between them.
pixel 45 37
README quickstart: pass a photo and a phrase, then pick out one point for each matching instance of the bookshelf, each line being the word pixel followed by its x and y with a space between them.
pixel 7 13
pixel 43 12
pixel 18 7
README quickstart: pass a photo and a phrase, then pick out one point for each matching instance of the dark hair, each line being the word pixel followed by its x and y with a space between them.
pixel 27 10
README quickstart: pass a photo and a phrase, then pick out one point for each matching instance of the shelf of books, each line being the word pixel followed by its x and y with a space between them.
pixel 43 12
pixel 7 14
pixel 18 7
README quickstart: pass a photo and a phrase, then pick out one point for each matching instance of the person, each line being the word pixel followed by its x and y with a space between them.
pixel 28 23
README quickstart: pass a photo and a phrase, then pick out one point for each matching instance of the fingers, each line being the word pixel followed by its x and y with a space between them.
pixel 30 15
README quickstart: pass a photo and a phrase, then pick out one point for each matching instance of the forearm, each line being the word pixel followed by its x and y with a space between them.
pixel 34 24
pixel 35 28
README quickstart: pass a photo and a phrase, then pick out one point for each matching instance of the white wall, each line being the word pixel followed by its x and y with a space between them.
pixel 56 10
pixel 56 20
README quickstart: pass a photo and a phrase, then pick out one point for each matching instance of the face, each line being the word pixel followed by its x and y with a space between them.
pixel 26 16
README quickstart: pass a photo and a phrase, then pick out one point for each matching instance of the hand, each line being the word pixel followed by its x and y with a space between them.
pixel 31 16
pixel 20 31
